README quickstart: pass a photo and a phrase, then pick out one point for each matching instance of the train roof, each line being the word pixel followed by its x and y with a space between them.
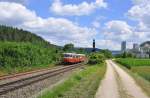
pixel 69 53
pixel 74 54
pixel 81 54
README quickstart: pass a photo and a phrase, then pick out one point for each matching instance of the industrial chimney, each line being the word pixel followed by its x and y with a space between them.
pixel 93 45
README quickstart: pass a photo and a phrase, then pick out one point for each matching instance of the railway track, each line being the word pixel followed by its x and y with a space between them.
pixel 24 73
pixel 13 85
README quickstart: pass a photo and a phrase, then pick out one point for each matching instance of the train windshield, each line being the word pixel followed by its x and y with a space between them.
pixel 67 55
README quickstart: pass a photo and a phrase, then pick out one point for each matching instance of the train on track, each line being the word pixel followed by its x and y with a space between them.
pixel 72 58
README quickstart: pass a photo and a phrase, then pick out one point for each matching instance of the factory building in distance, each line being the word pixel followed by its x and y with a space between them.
pixel 140 51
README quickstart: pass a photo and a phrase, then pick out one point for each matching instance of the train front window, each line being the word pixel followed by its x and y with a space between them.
pixel 67 55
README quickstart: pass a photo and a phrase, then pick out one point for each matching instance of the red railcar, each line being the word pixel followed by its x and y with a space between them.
pixel 73 58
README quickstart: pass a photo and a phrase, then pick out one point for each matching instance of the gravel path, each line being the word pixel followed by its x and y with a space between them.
pixel 118 84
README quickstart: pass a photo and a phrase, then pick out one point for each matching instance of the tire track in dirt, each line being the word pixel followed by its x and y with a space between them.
pixel 118 84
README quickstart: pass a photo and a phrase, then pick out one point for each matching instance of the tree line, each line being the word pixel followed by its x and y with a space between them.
pixel 12 34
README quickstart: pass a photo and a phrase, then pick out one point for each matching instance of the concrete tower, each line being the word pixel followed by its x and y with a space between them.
pixel 123 46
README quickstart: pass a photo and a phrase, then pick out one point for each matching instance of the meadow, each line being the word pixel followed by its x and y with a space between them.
pixel 137 66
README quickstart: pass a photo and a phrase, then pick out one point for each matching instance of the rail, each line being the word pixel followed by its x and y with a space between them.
pixel 10 86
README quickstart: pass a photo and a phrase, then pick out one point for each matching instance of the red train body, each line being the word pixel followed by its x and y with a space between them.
pixel 73 58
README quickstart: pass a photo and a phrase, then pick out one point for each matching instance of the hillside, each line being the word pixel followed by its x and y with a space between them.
pixel 18 35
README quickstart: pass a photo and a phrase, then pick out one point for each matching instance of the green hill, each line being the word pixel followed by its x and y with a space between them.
pixel 19 35
pixel 21 50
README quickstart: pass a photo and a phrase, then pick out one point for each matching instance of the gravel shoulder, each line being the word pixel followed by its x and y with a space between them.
pixel 118 84
pixel 33 90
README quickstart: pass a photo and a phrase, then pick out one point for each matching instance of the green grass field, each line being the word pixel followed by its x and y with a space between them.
pixel 138 66
pixel 134 62
pixel 81 84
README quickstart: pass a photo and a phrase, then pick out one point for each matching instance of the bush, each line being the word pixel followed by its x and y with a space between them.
pixel 106 53
pixel 25 54
pixel 96 58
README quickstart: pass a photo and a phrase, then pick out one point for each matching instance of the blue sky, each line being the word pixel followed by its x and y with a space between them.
pixel 116 10
pixel 79 21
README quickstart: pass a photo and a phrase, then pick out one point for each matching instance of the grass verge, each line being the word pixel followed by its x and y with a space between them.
pixel 143 71
pixel 138 66
pixel 141 81
pixel 81 84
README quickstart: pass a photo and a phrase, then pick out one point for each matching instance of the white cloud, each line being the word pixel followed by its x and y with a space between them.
pixel 61 31
pixel 12 13
pixel 139 2
pixel 118 30
pixel 83 8
pixel 68 31
pixel 17 1
pixel 57 30
pixel 96 24
pixel 108 44
pixel 141 13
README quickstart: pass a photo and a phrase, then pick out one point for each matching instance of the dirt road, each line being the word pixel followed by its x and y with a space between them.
pixel 118 84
